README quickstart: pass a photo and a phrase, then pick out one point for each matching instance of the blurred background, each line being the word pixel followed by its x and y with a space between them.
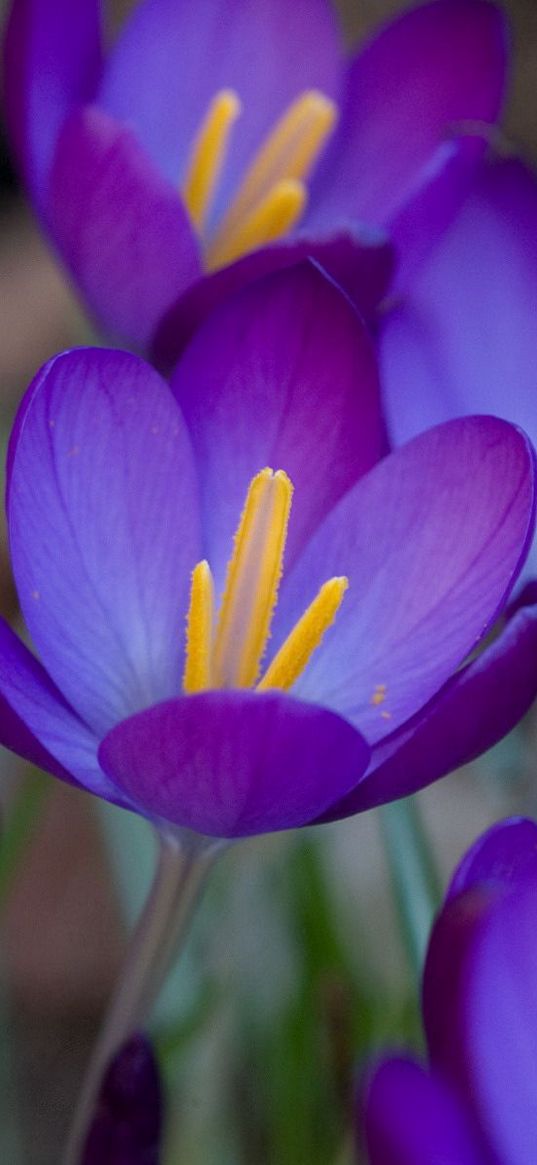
pixel 295 969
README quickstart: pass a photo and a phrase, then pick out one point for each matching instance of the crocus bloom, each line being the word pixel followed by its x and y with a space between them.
pixel 476 1102
pixel 127 1125
pixel 217 141
pixel 462 339
pixel 123 498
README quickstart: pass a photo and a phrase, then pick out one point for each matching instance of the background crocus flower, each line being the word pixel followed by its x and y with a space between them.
pixel 118 487
pixel 463 336
pixel 127 1123
pixel 476 1102
pixel 218 141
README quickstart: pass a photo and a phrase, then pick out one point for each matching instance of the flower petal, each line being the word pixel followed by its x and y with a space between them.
pixel 432 541
pixel 231 764
pixel 502 857
pixel 103 521
pixel 52 55
pixel 414 1118
pixel 360 263
pixel 37 724
pixel 403 99
pixel 282 375
pixel 121 228
pixel 173 57
pixel 479 706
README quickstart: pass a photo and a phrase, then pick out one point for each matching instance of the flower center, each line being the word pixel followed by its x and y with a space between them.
pixel 273 193
pixel 227 652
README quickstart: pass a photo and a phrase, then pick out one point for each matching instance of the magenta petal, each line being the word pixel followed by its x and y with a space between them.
pixel 414 1118
pixel 477 708
pixel 432 541
pixel 282 375
pixel 502 857
pixel 404 99
pixel 104 531
pixel 121 228
pixel 359 262
pixel 174 55
pixel 231 764
pixel 52 61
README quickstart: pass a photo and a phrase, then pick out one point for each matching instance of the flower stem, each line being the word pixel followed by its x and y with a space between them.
pixel 179 878
pixel 414 876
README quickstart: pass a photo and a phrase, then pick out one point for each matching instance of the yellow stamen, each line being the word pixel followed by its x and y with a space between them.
pixel 274 216
pixel 209 154
pixel 252 581
pixel 289 151
pixel 294 655
pixel 199 636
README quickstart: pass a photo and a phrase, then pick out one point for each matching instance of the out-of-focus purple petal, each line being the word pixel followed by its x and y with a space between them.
pixel 360 262
pixel 413 1118
pixel 432 540
pixel 36 722
pixel 282 375
pixel 52 61
pixel 502 857
pixel 121 228
pixel 173 57
pixel 464 340
pixel 231 764
pixel 127 1126
pixel 104 530
pixel 404 99
pixel 478 707
pixel 498 1005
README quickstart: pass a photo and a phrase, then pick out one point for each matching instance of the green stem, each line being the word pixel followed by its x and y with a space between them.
pixel 414 877
pixel 179 878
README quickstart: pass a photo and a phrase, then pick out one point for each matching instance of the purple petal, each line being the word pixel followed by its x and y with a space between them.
pixel 282 375
pixel 413 1118
pixel 173 57
pixel 403 100
pixel 103 520
pixel 127 1125
pixel 432 541
pixel 481 282
pixel 52 58
pixel 121 228
pixel 498 1006
pixel 36 722
pixel 502 857
pixel 479 706
pixel 361 263
pixel 232 764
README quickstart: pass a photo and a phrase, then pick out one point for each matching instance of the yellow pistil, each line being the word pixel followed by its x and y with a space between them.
pixel 232 657
pixel 271 219
pixel 252 581
pixel 199 635
pixel 294 655
pixel 209 154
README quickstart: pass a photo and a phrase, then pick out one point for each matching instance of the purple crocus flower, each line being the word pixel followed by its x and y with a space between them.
pixel 127 1125
pixel 476 1102
pixel 463 337
pixel 160 204
pixel 123 497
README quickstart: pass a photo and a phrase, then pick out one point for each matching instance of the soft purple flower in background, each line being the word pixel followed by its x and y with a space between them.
pixel 119 486
pixel 463 338
pixel 127 1123
pixel 476 1102
pixel 136 168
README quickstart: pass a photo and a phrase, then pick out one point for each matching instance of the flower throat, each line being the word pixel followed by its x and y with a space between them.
pixel 227 651
pixel 272 196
